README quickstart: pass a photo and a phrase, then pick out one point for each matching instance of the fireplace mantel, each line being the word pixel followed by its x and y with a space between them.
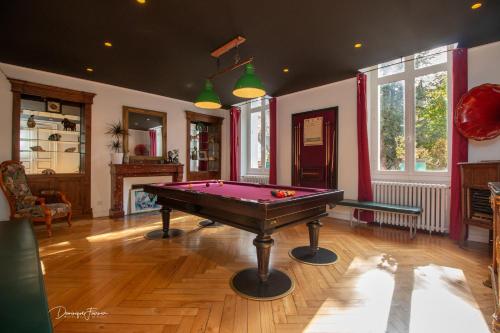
pixel 120 171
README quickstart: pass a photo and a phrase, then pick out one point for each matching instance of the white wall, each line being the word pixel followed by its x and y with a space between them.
pixel 484 67
pixel 341 94
pixel 107 108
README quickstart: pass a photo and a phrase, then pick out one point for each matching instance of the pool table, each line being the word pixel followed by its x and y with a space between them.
pixel 253 208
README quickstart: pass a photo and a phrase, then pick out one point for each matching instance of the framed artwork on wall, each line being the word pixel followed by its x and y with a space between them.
pixel 141 201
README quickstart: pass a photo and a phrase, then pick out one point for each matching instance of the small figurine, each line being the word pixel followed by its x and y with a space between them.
pixel 31 123
pixel 70 150
pixel 170 157
pixel 55 137
pixel 68 125
pixel 48 172
pixel 37 148
pixel 194 154
pixel 175 157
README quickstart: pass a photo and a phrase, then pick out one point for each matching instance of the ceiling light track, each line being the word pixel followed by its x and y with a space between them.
pixel 231 68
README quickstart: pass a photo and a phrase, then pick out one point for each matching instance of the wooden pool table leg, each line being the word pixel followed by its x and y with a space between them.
pixel 313 254
pixel 262 283
pixel 263 244
pixel 166 231
pixel 314 236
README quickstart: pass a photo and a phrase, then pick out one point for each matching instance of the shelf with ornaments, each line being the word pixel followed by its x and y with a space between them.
pixel 51 136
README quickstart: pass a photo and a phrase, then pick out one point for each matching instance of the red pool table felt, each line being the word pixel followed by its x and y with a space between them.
pixel 244 191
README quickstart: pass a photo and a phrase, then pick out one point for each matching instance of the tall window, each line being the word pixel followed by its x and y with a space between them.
pixel 258 136
pixel 410 118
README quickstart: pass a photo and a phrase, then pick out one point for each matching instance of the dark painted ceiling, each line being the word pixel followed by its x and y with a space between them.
pixel 163 47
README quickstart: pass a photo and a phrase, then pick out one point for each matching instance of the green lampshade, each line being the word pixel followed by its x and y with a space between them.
pixel 249 85
pixel 208 99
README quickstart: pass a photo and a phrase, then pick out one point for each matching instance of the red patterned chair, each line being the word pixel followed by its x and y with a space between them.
pixel 49 206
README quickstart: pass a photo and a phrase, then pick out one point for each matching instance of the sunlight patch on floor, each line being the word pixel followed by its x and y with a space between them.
pixel 129 232
pixel 369 299
pixel 442 302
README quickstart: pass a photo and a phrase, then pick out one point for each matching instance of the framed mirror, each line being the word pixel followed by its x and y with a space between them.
pixel 147 134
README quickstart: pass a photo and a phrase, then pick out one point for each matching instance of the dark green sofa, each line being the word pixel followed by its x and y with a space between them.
pixel 23 302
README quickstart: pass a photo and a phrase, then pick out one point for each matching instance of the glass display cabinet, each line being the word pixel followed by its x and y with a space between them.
pixel 51 136
pixel 51 140
pixel 203 146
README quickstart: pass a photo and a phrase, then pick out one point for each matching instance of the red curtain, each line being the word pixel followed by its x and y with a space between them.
pixel 364 177
pixel 152 143
pixel 459 144
pixel 235 144
pixel 272 149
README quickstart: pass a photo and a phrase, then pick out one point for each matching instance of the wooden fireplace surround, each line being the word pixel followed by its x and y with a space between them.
pixel 120 171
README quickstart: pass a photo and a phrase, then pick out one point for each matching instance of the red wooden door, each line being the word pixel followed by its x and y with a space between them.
pixel 314 148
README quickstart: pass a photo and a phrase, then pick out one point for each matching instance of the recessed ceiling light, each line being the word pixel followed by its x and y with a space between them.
pixel 89 69
pixel 108 44
pixel 142 2
pixel 358 45
pixel 476 5
pixel 285 70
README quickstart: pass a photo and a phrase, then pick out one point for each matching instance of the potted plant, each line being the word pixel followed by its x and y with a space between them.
pixel 117 132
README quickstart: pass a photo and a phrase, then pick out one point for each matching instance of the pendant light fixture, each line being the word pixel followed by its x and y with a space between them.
pixel 249 85
pixel 208 99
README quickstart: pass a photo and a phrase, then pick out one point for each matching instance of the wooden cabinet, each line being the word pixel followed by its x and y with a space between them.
pixel 495 205
pixel 476 208
pixel 203 146
pixel 51 129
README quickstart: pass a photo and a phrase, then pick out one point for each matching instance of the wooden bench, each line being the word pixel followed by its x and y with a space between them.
pixel 23 302
pixel 412 211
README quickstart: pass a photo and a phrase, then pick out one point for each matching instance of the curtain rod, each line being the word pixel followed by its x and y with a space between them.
pixel 403 61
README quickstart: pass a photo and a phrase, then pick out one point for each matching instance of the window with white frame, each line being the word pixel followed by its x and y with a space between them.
pixel 410 116
pixel 257 136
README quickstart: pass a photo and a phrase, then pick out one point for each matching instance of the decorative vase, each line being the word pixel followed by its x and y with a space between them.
pixel 116 158
pixel 31 123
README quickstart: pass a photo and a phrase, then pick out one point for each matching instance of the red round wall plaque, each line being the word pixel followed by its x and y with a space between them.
pixel 477 115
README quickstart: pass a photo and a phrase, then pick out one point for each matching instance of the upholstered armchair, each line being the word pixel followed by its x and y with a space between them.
pixel 48 206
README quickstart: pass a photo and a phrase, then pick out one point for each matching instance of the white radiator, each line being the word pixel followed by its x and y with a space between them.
pixel 257 179
pixel 432 198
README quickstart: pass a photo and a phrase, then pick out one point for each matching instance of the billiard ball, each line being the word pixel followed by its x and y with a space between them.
pixel 207 184
pixel 221 183
pixel 190 185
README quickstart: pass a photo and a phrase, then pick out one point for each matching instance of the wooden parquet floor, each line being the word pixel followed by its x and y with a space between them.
pixel 382 282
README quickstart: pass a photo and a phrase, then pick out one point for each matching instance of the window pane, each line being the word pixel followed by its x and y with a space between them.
pixel 431 114
pixel 431 57
pixel 392 125
pixel 255 140
pixel 392 67
pixel 255 103
pixel 268 141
